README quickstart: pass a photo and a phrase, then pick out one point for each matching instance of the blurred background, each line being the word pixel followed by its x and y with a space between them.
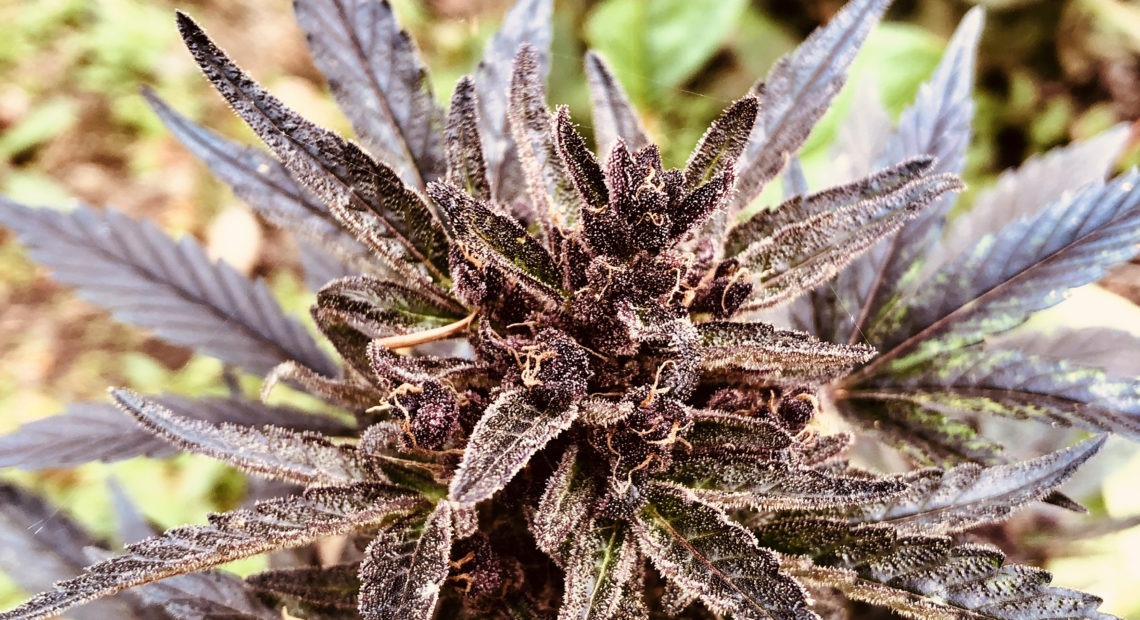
pixel 73 127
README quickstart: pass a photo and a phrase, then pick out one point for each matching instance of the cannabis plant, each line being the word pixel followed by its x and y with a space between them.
pixel 561 399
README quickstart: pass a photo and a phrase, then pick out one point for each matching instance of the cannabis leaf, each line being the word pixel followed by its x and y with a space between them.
pixel 527 22
pixel 274 524
pixel 562 400
pixel 1027 265
pixel 551 190
pixel 266 186
pixel 603 576
pixel 613 114
pixel 511 430
pixel 88 432
pixel 143 277
pixel 41 545
pixel 699 548
pixel 937 124
pixel 948 501
pixel 1022 192
pixel 379 80
pixel 764 352
pixel 466 167
pixel 405 566
pixel 345 178
pixel 329 589
pixel 208 595
pixel 797 91
pixel 931 577
pixel 774 485
pixel 828 230
pixel 273 451
pixel 1013 384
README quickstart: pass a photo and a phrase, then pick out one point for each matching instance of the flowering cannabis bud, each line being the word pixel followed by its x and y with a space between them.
pixel 565 403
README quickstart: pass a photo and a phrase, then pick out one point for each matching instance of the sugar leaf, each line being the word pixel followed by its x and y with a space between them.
pixel 603 576
pixel 511 430
pixel 762 352
pixel 466 166
pixel 324 587
pixel 42 545
pixel 491 237
pixel 87 432
pixel 798 90
pixel 773 485
pixel 552 194
pixel 404 568
pixel 338 172
pixel 528 21
pixel 700 549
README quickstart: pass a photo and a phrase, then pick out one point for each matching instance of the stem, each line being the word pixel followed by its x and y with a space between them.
pixel 428 335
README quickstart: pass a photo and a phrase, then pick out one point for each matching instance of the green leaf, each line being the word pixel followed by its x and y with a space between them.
pixel 603 576
pixel 701 549
pixel 488 237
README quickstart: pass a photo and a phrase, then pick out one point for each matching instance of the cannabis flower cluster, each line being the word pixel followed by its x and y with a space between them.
pixel 563 400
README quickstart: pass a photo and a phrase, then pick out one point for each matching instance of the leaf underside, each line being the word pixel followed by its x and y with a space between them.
pixel 268 526
pixel 143 277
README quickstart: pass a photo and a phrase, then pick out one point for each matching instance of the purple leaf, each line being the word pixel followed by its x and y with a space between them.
pixel 528 21
pixel 614 116
pixel 88 432
pixel 143 277
pixel 268 526
pixel 377 77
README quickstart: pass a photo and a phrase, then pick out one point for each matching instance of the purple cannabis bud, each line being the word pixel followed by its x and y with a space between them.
pixel 555 395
